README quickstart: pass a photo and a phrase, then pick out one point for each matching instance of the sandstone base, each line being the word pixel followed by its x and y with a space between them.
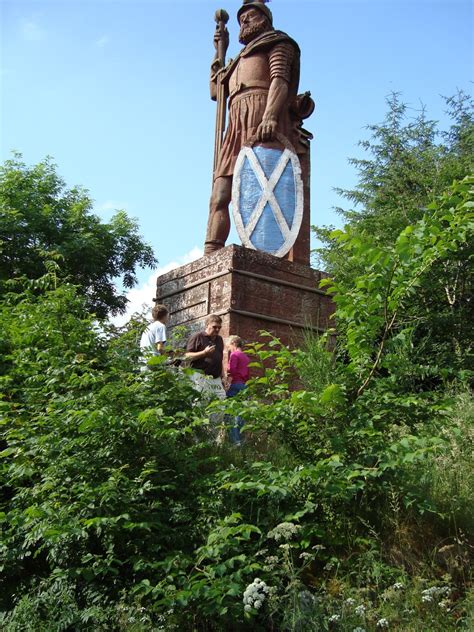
pixel 251 291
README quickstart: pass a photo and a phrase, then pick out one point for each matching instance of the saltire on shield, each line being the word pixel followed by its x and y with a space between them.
pixel 267 198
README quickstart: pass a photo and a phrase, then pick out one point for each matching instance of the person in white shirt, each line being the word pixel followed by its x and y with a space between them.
pixel 154 337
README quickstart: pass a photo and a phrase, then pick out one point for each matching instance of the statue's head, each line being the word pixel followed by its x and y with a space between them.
pixel 254 18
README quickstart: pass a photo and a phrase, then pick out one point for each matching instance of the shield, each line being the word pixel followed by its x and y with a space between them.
pixel 267 198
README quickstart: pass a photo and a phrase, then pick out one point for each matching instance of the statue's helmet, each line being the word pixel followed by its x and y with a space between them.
pixel 257 4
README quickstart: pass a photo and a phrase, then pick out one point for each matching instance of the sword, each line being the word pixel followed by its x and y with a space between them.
pixel 221 17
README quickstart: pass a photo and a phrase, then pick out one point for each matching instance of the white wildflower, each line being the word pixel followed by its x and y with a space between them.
pixel 360 610
pixel 435 592
pixel 254 594
pixel 444 605
pixel 382 623
pixel 349 601
pixel 398 586
pixel 319 547
pixel 426 598
pixel 306 556
pixel 333 618
pixel 284 531
pixel 358 630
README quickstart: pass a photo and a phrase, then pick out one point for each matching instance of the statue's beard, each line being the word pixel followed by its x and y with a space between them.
pixel 250 32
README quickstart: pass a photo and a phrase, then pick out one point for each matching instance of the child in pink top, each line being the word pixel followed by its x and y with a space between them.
pixel 237 366
pixel 237 376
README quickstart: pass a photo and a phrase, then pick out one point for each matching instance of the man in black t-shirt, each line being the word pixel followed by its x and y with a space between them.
pixel 205 349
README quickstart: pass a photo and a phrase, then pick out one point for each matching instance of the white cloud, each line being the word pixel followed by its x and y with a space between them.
pixel 31 31
pixel 141 298
pixel 102 41
pixel 111 205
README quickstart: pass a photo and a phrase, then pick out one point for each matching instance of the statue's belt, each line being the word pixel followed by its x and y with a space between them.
pixel 253 83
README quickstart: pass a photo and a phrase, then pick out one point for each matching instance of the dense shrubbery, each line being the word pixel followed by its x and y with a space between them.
pixel 350 501
pixel 348 508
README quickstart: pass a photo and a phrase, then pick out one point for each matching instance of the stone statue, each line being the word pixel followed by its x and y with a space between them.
pixel 264 108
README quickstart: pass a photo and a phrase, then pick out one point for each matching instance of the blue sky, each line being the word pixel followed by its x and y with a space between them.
pixel 117 93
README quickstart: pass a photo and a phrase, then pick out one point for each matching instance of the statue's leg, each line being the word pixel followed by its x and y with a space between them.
pixel 218 226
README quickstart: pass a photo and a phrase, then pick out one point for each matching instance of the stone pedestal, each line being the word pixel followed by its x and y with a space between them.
pixel 250 290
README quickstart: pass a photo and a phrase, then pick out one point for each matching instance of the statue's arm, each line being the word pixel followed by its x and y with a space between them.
pixel 277 98
pixel 280 61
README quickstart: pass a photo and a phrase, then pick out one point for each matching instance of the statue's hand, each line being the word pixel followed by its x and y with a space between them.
pixel 218 36
pixel 267 129
pixel 215 66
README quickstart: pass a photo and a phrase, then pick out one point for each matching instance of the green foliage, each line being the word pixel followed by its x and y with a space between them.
pixel 95 459
pixel 42 220
pixel 411 292
pixel 448 480
pixel 119 513
pixel 347 508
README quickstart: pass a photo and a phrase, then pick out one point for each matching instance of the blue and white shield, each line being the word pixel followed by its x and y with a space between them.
pixel 267 198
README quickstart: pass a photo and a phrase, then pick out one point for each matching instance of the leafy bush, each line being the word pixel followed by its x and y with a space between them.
pixel 347 508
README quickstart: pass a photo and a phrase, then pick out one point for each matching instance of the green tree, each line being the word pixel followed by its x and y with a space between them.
pixel 409 162
pixel 408 311
pixel 406 184
pixel 41 219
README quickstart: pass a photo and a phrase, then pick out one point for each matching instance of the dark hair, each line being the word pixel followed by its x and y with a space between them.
pixel 159 311
pixel 213 318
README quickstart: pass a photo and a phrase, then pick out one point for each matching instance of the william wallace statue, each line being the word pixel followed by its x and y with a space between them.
pixel 261 89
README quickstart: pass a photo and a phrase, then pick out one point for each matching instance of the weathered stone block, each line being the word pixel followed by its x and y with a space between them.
pixel 251 291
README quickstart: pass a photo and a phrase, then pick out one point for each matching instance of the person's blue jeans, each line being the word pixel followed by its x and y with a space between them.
pixel 238 422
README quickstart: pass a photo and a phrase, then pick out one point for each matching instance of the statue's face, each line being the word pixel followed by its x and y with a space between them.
pixel 252 23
